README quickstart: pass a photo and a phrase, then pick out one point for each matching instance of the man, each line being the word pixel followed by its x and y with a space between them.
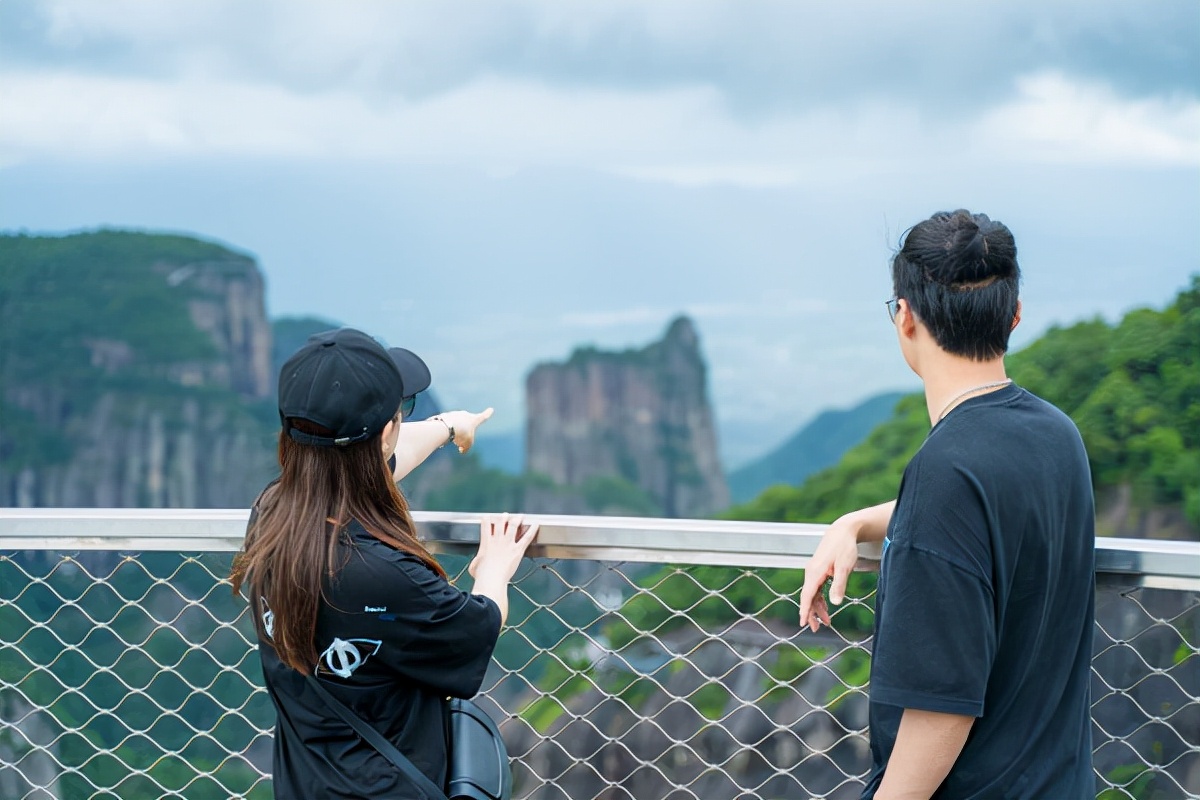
pixel 983 632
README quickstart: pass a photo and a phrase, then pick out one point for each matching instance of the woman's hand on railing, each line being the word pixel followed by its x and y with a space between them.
pixel 503 541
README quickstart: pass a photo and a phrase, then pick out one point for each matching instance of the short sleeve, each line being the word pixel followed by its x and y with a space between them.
pixel 429 632
pixel 936 638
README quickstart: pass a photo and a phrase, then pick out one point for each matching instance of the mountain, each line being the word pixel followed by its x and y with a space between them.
pixel 626 434
pixel 139 369
pixel 643 416
pixel 135 370
pixel 1133 389
pixel 817 445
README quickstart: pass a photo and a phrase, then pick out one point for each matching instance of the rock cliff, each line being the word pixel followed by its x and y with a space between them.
pixel 227 305
pixel 135 370
pixel 640 415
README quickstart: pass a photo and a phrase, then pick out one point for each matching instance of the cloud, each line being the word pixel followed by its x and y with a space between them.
pixel 1055 119
pixel 762 59
pixel 694 94
pixel 682 136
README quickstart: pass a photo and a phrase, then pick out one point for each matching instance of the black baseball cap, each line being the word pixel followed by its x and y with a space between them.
pixel 412 370
pixel 345 381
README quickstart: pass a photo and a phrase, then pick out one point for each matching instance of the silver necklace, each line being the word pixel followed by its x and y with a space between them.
pixel 980 388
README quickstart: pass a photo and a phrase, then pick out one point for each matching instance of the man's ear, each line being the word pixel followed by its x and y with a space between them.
pixel 905 319
pixel 1017 318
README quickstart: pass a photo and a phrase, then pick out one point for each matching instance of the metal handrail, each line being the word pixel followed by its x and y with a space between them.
pixel 1136 562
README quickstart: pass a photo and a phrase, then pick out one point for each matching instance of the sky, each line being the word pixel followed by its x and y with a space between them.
pixel 495 184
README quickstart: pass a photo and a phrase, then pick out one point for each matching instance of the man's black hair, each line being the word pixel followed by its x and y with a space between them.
pixel 958 271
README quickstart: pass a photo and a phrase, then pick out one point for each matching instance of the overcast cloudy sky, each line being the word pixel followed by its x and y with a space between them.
pixel 494 183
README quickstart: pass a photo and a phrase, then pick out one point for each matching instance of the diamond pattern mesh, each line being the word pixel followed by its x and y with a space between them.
pixel 133 675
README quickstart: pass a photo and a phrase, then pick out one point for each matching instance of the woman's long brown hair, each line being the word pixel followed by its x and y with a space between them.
pixel 291 546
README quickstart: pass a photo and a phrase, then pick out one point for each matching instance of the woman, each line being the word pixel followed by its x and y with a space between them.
pixel 342 589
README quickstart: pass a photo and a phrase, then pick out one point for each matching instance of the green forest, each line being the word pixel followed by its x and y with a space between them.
pixel 1133 388
pixel 66 301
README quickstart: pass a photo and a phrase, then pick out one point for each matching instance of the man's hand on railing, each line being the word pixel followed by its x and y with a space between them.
pixel 835 558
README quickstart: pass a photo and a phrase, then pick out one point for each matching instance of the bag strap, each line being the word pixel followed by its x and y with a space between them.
pixel 377 740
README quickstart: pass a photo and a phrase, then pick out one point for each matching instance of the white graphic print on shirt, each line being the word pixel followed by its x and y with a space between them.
pixel 268 618
pixel 343 657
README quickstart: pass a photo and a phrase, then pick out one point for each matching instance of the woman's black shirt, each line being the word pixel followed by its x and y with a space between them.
pixel 395 639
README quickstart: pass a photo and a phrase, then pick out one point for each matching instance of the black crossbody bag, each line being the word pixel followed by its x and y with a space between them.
pixel 478 766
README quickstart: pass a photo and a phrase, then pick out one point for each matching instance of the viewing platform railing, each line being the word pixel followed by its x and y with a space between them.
pixel 644 658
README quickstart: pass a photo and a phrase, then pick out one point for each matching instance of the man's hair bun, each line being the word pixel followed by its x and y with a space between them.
pixel 967 249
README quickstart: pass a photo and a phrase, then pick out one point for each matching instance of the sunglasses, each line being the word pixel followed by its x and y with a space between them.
pixel 893 306
pixel 407 405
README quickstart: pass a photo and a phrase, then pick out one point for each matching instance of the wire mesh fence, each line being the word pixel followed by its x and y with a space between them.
pixel 128 675
pixel 134 675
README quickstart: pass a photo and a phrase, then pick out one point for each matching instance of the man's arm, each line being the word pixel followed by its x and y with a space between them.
pixel 927 745
pixel 871 523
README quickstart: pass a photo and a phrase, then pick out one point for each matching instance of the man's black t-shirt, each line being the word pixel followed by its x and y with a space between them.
pixel 395 639
pixel 986 600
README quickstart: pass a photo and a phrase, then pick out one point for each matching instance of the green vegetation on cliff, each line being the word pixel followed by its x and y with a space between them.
pixel 1132 388
pixel 77 309
pixel 102 346
pixel 60 296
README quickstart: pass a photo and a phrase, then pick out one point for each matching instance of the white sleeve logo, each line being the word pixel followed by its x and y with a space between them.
pixel 268 618
pixel 343 657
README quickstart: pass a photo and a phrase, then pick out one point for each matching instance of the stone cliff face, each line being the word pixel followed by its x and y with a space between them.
pixel 228 305
pixel 131 454
pixel 641 415
pixel 164 404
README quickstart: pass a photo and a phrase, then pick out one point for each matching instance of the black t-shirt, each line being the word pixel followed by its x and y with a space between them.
pixel 395 639
pixel 986 600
